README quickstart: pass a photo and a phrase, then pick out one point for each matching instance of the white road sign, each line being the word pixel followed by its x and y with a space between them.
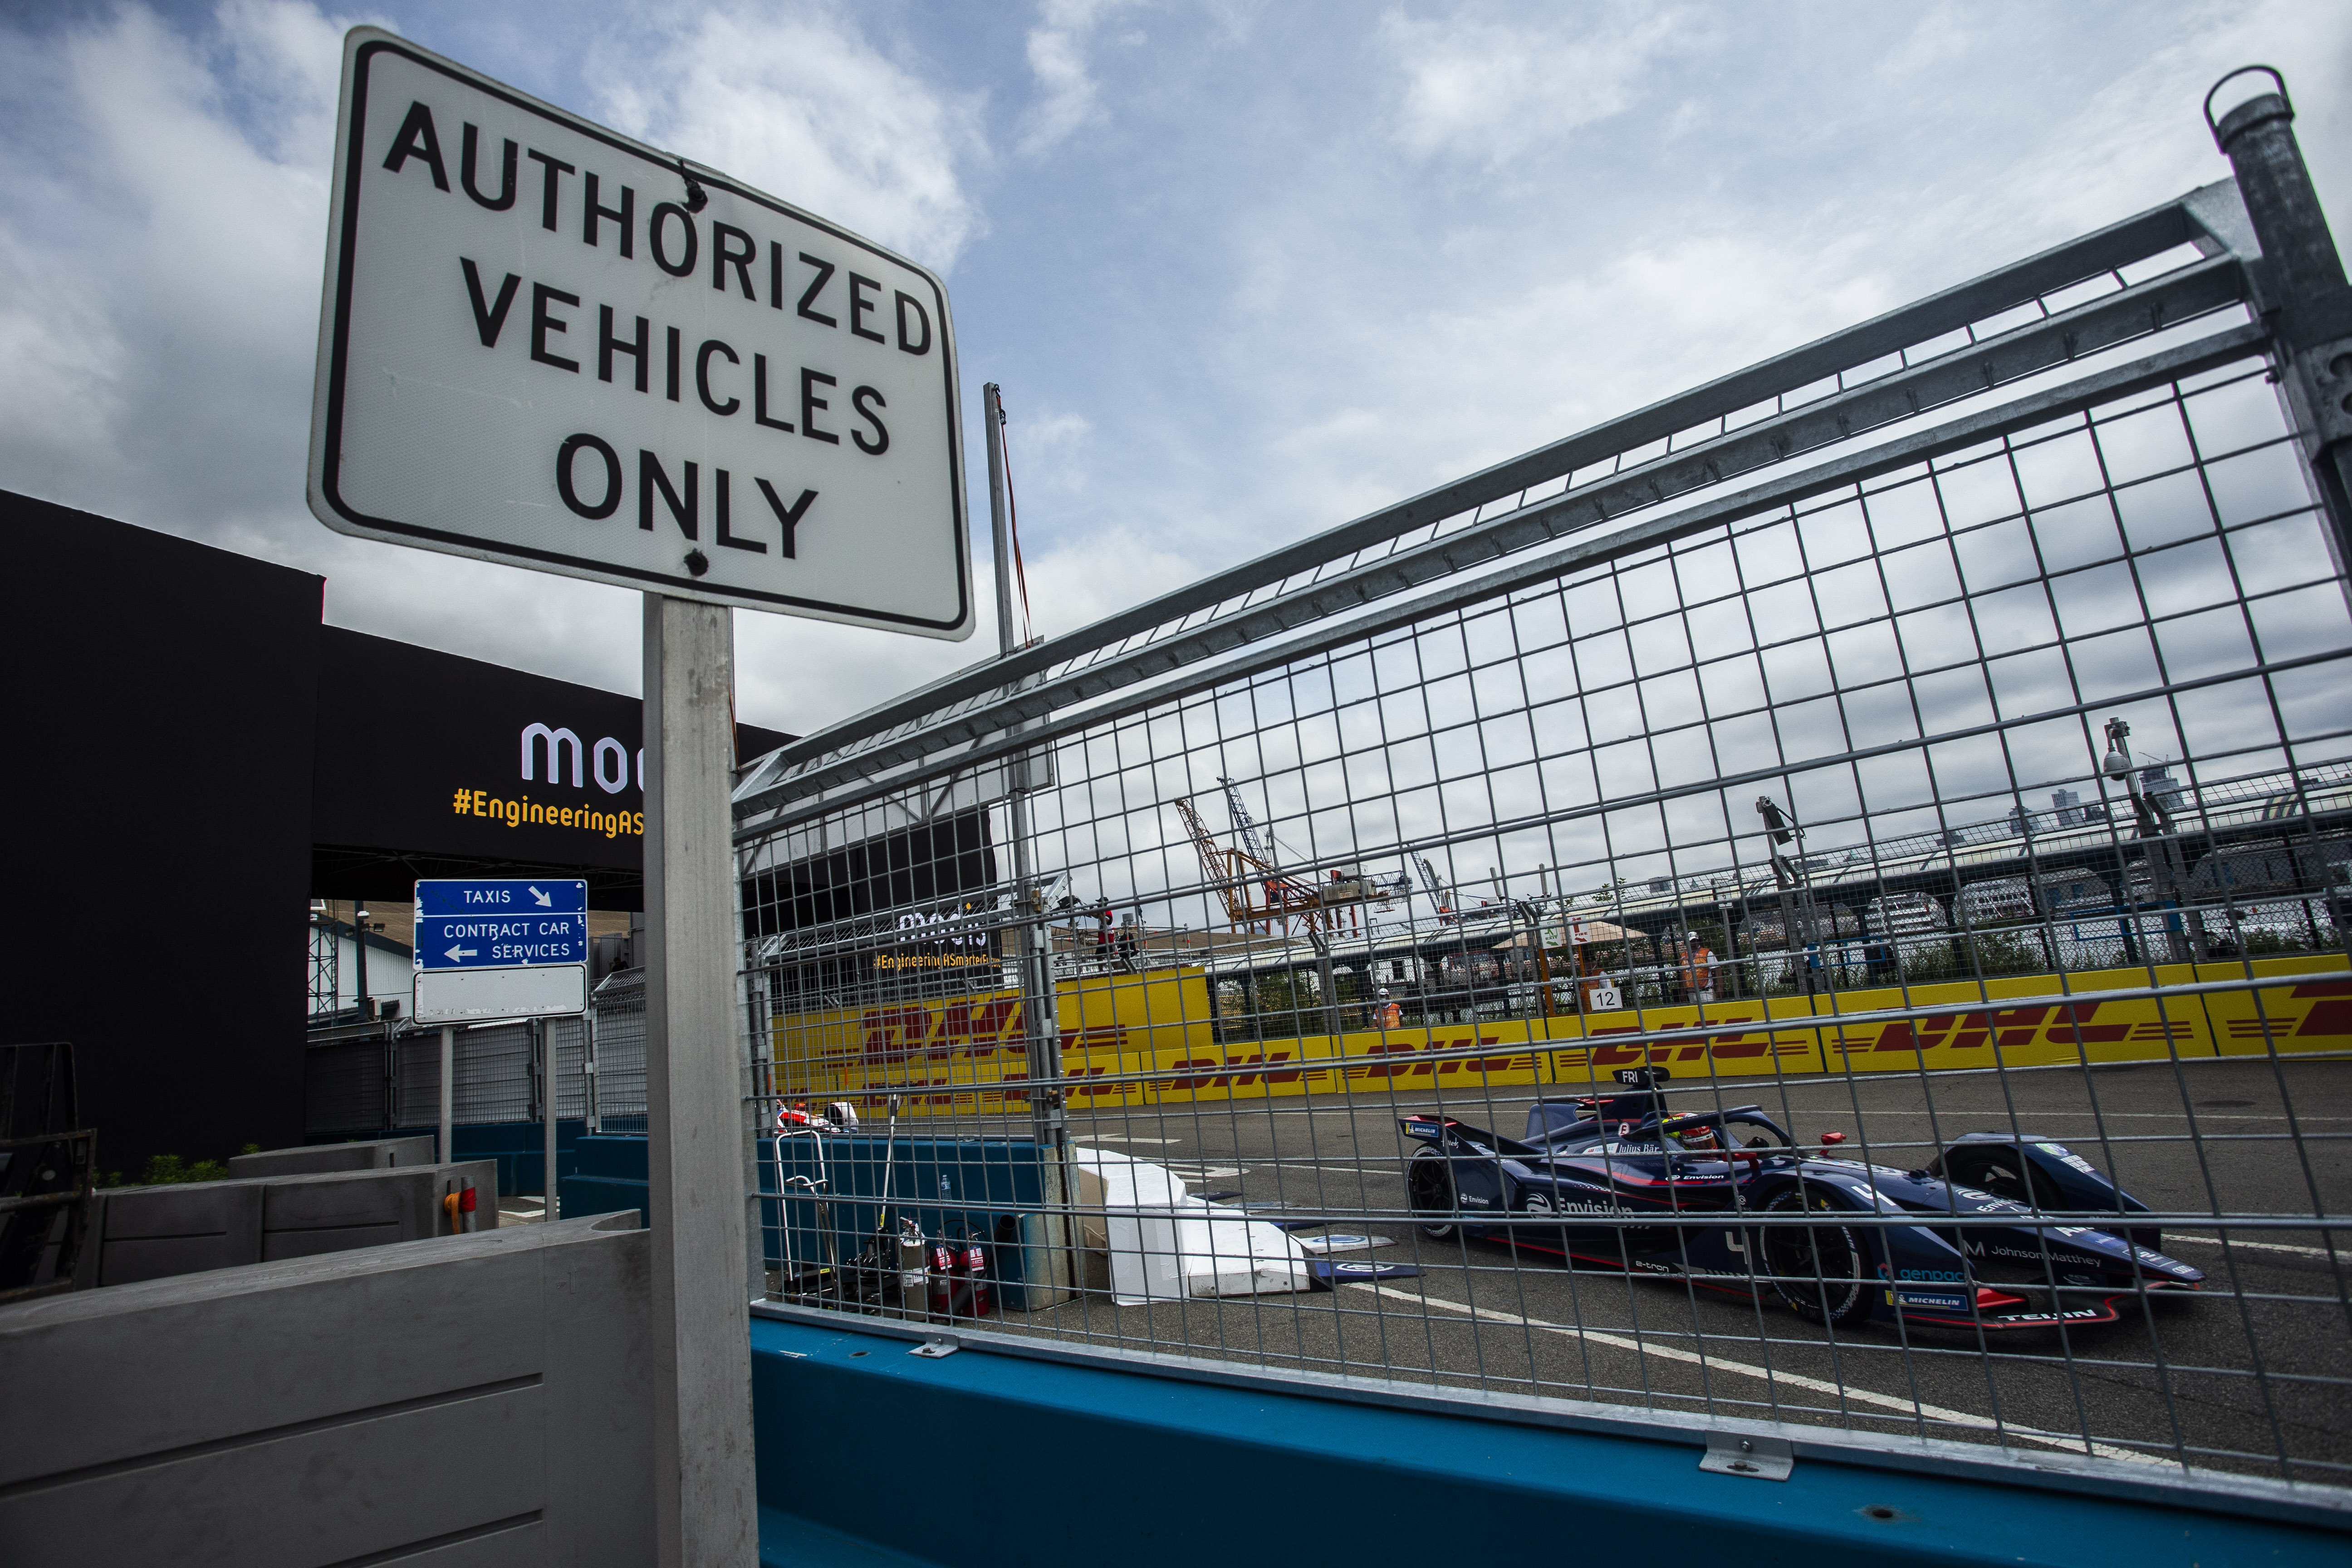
pixel 474 996
pixel 544 343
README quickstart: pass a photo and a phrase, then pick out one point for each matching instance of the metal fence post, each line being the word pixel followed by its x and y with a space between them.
pixel 704 1508
pixel 448 1092
pixel 2301 276
pixel 548 1105
pixel 1048 1122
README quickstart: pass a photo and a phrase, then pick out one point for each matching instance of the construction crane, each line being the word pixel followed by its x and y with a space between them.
pixel 1436 888
pixel 1279 889
pixel 1215 865
pixel 1234 873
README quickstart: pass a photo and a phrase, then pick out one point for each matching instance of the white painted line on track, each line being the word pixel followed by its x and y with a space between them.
pixel 2171 1237
pixel 1794 1380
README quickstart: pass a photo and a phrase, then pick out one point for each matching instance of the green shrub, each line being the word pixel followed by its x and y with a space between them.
pixel 2257 943
pixel 164 1170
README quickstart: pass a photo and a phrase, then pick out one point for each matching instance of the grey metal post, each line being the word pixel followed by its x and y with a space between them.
pixel 546 1033
pixel 2302 287
pixel 704 1494
pixel 992 403
pixel 1049 1121
pixel 358 936
pixel 448 1092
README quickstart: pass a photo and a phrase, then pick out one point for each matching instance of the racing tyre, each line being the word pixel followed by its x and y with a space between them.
pixel 1429 1193
pixel 1819 1273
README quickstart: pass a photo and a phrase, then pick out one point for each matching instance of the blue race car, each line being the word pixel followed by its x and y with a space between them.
pixel 1591 1170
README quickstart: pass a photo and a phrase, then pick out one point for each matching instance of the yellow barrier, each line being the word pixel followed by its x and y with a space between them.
pixel 968 1054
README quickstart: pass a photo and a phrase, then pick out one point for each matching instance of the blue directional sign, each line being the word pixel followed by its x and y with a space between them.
pixel 502 923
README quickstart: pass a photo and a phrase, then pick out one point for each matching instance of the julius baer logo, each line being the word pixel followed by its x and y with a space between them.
pixel 560 756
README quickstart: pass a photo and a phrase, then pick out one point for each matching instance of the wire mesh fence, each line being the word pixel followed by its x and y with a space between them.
pixel 1822 900
pixel 616 1024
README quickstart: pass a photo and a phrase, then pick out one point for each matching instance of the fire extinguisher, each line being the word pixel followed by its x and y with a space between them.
pixel 940 1290
pixel 975 1276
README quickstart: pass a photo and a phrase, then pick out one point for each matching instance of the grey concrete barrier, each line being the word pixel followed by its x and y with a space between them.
pixel 154 1233
pixel 471 1399
pixel 379 1154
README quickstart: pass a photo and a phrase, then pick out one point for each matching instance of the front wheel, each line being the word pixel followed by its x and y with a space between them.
pixel 1818 1272
pixel 1429 1193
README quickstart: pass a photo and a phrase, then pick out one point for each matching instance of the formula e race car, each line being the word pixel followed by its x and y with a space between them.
pixel 1591 1171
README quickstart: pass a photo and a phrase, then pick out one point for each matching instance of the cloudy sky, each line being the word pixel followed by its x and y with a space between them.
pixel 1244 271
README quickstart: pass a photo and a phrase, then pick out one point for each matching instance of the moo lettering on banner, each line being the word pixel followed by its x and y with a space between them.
pixel 546 344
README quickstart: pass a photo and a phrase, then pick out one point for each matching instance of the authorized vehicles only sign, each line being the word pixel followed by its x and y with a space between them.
pixel 546 344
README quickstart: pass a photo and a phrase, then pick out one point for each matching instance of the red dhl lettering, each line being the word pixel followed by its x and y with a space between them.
pixel 1244 1079
pixel 1406 1047
pixel 1101 1037
pixel 2333 1015
pixel 894 1034
pixel 1078 1088
pixel 979 1020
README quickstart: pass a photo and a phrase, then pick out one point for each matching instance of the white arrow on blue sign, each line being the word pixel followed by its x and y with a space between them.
pixel 501 923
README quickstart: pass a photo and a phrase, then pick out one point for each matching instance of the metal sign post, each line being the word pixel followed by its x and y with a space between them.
pixel 546 344
pixel 697 1079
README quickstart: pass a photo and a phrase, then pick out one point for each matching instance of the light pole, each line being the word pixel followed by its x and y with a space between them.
pixel 359 935
pixel 2153 822
pixel 1780 828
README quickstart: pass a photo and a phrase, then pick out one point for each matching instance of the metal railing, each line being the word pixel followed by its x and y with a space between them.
pixel 378 1077
pixel 1823 900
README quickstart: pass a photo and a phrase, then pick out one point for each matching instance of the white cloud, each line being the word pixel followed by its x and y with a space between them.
pixel 1492 90
pixel 163 219
pixel 796 102
pixel 1048 452
pixel 1276 305
pixel 1067 97
pixel 170 266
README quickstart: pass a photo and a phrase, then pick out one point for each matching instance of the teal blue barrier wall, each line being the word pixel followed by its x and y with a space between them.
pixel 1037 1461
pixel 954 1187
pixel 520 1150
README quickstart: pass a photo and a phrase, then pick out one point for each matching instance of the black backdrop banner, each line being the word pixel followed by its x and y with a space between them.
pixel 917 899
pixel 158 788
pixel 914 867
pixel 430 764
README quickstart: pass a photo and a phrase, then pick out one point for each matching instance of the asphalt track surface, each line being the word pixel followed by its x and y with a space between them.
pixel 2174 1381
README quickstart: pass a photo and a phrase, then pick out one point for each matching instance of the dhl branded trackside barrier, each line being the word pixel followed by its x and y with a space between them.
pixel 1149 1036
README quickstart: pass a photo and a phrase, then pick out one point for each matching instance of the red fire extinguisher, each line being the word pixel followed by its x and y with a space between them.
pixel 975 1278
pixel 939 1287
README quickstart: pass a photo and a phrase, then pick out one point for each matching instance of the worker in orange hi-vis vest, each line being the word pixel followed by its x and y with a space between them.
pixel 1698 968
pixel 1392 1016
